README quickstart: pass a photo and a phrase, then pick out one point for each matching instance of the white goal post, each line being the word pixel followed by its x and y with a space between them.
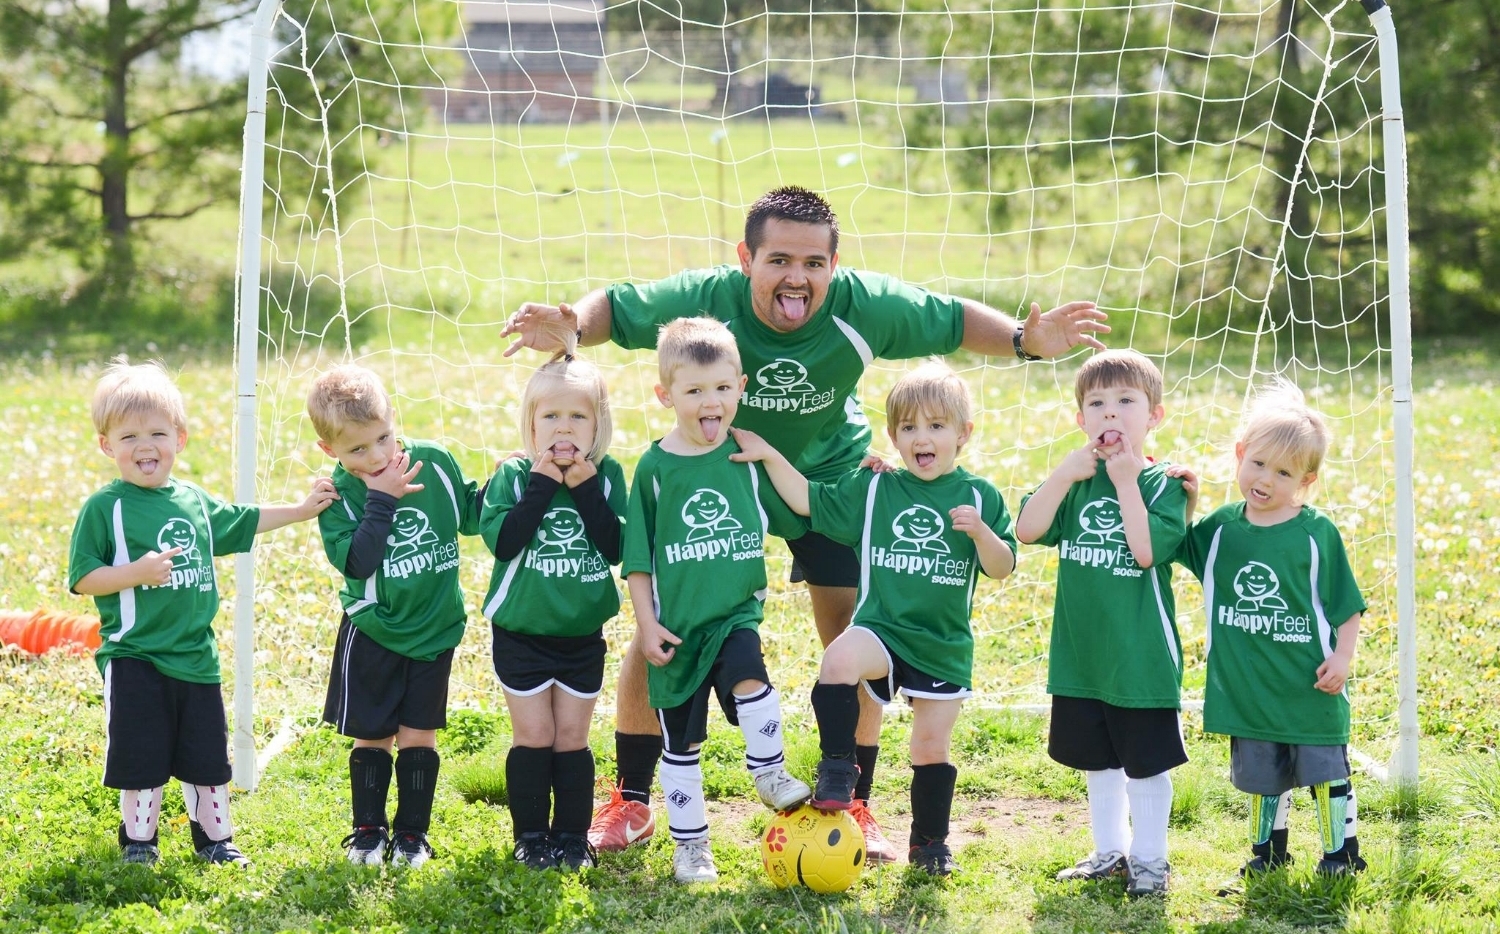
pixel 1008 151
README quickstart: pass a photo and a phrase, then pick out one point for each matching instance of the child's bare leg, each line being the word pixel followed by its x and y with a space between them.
pixel 932 782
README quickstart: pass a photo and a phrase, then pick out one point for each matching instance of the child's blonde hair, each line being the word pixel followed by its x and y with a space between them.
pixel 561 374
pixel 932 387
pixel 699 341
pixel 1112 368
pixel 140 389
pixel 1284 428
pixel 347 394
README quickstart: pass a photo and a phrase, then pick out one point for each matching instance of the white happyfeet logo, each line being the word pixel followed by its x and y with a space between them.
pixel 1100 522
pixel 783 377
pixel 561 531
pixel 410 530
pixel 179 533
pixel 1258 588
pixel 706 513
pixel 917 529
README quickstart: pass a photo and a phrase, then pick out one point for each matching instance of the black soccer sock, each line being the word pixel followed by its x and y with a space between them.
pixel 416 785
pixel 865 756
pixel 636 756
pixel 572 790
pixel 369 784
pixel 528 786
pixel 836 707
pixel 126 841
pixel 200 836
pixel 931 801
pixel 1274 849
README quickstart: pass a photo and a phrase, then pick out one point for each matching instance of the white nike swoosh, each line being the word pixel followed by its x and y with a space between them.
pixel 633 834
pixel 938 684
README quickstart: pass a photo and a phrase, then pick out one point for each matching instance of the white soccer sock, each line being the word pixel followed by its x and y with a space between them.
pixel 208 805
pixel 1150 809
pixel 139 809
pixel 682 782
pixel 760 721
pixel 1108 815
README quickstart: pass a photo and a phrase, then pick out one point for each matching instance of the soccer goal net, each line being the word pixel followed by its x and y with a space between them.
pixel 1214 176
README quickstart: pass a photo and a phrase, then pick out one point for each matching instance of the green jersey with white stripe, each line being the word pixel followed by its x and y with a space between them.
pixel 800 395
pixel 412 604
pixel 1274 597
pixel 698 526
pixel 1114 623
pixel 559 585
pixel 917 574
pixel 170 626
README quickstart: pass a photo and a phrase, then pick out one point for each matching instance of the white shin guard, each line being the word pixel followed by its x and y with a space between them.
pixel 760 723
pixel 139 809
pixel 682 784
pixel 208 806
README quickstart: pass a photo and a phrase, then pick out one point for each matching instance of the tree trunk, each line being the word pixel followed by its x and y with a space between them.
pixel 114 166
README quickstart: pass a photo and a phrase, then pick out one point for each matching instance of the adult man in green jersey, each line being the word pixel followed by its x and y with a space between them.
pixel 807 330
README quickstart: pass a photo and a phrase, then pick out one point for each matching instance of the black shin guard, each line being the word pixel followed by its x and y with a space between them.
pixel 636 756
pixel 416 785
pixel 528 786
pixel 837 708
pixel 931 801
pixel 865 757
pixel 370 771
pixel 572 790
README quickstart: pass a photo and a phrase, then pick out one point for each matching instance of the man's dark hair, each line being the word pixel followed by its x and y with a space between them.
pixel 791 203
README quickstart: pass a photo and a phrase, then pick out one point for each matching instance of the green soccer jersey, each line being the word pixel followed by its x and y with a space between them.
pixel 559 585
pixel 800 395
pixel 170 626
pixel 412 604
pixel 697 525
pixel 917 575
pixel 1274 597
pixel 1114 623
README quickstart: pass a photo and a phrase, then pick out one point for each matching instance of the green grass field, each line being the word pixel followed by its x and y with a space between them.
pixel 504 217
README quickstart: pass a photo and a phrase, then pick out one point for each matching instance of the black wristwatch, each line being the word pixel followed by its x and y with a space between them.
pixel 1021 354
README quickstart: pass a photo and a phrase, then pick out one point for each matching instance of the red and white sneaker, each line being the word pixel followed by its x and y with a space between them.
pixel 618 823
pixel 877 848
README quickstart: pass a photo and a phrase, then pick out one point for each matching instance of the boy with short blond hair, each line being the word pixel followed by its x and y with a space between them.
pixel 694 559
pixel 1115 665
pixel 143 548
pixel 394 537
pixel 923 534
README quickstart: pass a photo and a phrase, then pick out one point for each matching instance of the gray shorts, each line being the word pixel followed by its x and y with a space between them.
pixel 1258 767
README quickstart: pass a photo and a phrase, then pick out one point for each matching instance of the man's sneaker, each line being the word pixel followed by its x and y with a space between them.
pixel 410 849
pixel 575 852
pixel 779 790
pixel 693 861
pixel 1148 876
pixel 935 859
pixel 1095 866
pixel 223 853
pixel 140 852
pixel 836 779
pixel 536 850
pixel 1340 866
pixel 366 846
pixel 1257 865
pixel 619 823
pixel 877 848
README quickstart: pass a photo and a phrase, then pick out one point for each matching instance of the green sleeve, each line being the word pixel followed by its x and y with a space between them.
pixel 619 493
pixel 233 524
pixel 1193 552
pixel 465 493
pixel 780 520
pixel 1053 535
pixel 499 499
pixel 901 321
pixel 999 518
pixel 336 525
pixel 640 521
pixel 1166 515
pixel 837 509
pixel 1337 589
pixel 638 311
pixel 92 546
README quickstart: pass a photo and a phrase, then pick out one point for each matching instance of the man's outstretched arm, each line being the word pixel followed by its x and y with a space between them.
pixel 545 327
pixel 1050 334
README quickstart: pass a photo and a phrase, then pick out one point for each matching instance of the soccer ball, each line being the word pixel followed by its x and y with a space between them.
pixel 823 850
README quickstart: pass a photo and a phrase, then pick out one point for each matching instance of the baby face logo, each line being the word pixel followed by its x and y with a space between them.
pixel 410 530
pixel 918 529
pixel 561 531
pixel 783 377
pixel 1100 521
pixel 1258 588
pixel 179 533
pixel 706 513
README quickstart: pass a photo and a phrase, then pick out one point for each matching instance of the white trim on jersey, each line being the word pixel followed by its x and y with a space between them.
pixel 974 566
pixel 122 557
pixel 1208 591
pixel 655 594
pixel 458 517
pixel 864 544
pixel 511 567
pixel 765 521
pixel 1166 620
pixel 861 346
pixel 1325 629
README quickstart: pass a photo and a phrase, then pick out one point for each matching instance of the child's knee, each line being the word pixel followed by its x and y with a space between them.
pixel 749 686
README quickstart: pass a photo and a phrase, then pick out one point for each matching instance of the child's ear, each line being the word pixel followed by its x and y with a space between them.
pixel 1156 416
pixel 1309 478
pixel 105 446
pixel 181 439
pixel 662 396
pixel 1078 417
pixel 323 446
pixel 744 380
pixel 965 435
pixel 1239 451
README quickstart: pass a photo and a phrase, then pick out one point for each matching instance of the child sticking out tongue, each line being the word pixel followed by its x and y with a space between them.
pixel 1108 438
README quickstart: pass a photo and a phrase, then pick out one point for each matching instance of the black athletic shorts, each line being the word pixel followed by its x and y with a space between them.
pixel 159 728
pixel 823 562
pixel 739 660
pixel 527 664
pixel 373 692
pixel 901 675
pixel 1093 736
